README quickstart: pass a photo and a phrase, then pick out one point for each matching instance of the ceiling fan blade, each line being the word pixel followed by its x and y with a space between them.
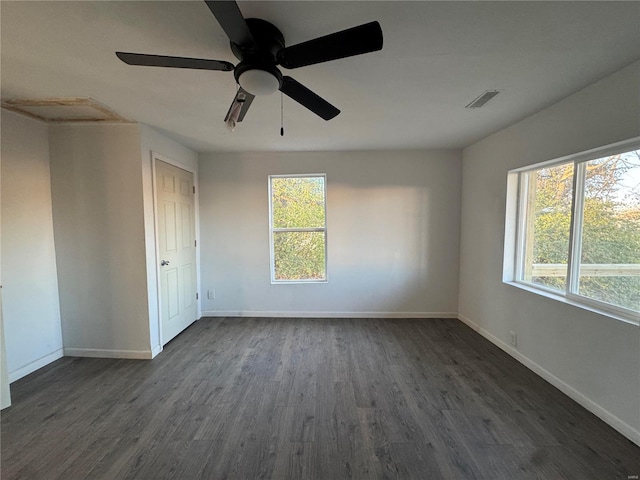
pixel 232 22
pixel 173 62
pixel 305 97
pixel 353 41
pixel 248 98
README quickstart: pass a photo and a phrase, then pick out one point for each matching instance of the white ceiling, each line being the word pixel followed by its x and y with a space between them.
pixel 437 57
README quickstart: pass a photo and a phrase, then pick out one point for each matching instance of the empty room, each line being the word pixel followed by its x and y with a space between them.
pixel 320 240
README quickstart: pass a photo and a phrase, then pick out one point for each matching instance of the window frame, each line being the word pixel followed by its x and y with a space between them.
pixel 516 224
pixel 272 231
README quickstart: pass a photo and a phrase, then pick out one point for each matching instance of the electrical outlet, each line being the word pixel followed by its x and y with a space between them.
pixel 211 294
pixel 514 338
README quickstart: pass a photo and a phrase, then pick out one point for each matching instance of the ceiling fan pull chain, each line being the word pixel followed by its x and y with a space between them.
pixel 281 117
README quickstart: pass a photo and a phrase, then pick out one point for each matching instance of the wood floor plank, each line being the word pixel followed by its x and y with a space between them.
pixel 296 460
pixel 113 462
pixel 451 453
pixel 306 399
pixel 258 431
pixel 338 428
pixel 374 454
pixel 366 463
pixel 193 460
pixel 414 461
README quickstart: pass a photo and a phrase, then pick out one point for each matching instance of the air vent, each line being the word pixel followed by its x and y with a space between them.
pixel 483 99
pixel 63 110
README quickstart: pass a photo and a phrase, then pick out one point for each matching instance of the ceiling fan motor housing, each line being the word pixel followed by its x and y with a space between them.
pixel 258 62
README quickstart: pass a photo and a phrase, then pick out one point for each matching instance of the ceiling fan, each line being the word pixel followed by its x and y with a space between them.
pixel 260 47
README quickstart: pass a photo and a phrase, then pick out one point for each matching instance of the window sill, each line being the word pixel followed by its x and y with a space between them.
pixel 297 282
pixel 563 299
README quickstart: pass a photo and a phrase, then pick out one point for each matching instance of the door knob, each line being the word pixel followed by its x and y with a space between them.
pixel 164 262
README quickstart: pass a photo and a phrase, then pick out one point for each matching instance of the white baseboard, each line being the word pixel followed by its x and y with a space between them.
pixel 156 350
pixel 101 353
pixel 263 314
pixel 606 416
pixel 35 365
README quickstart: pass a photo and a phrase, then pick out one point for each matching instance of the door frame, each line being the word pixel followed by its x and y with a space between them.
pixel 155 157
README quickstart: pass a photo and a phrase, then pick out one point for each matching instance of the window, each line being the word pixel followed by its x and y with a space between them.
pixel 578 228
pixel 298 228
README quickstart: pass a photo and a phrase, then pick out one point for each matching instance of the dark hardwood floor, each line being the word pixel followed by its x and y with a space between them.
pixel 326 399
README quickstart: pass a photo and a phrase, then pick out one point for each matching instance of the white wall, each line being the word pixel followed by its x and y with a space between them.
pixel 591 357
pixel 5 393
pixel 153 142
pixel 98 218
pixel 30 286
pixel 5 389
pixel 393 234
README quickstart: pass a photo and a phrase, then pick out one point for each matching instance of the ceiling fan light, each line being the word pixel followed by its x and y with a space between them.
pixel 258 82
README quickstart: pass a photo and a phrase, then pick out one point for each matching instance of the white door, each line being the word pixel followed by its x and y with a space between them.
pixel 176 247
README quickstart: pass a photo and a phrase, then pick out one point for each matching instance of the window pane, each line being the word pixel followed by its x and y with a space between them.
pixel 548 219
pixel 299 255
pixel 610 258
pixel 297 202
